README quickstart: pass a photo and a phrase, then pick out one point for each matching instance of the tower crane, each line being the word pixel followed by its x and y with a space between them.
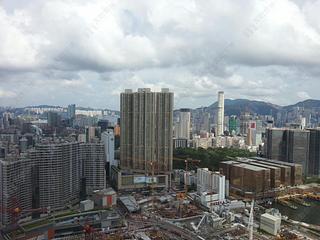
pixel 183 195
pixel 186 161
pixel 250 224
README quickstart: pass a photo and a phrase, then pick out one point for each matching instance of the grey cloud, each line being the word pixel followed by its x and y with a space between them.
pixel 254 49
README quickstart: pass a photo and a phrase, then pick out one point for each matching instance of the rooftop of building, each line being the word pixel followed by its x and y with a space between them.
pixel 289 129
pixel 86 201
pixel 231 162
pixel 245 165
pixel 212 172
pixel 130 203
pixel 56 140
pixel 277 162
pixel 258 163
pixel 269 216
pixel 277 165
pixel 11 130
pixel 261 164
pixel 63 141
pixel 10 158
pixel 106 191
pixel 251 167
pixel 146 90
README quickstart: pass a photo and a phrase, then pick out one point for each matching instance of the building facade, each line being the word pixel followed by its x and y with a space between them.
pixel 57 167
pixel 275 146
pixel 71 111
pixel 267 174
pixel 270 223
pixel 15 187
pixel 180 143
pixel 298 148
pixel 93 166
pixel 206 126
pixel 53 119
pixel 289 145
pixel 234 125
pixel 184 125
pixel 49 177
pixel 211 182
pixel 108 139
pixel 220 114
pixel 146 131
pixel 314 153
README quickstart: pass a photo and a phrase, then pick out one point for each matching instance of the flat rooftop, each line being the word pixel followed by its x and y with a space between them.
pixel 257 163
pixel 260 164
pixel 275 165
pixel 130 203
pixel 269 216
pixel 251 167
pixel 106 191
pixel 276 162
pixel 246 165
pixel 231 162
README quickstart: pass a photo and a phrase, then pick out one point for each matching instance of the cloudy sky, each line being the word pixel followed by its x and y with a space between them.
pixel 87 52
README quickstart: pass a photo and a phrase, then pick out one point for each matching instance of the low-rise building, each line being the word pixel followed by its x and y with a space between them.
pixel 124 181
pixel 211 187
pixel 201 142
pixel 130 204
pixel 105 198
pixel 245 177
pixel 180 143
pixel 208 181
pixel 267 175
pixel 86 205
pixel 270 223
pixel 186 177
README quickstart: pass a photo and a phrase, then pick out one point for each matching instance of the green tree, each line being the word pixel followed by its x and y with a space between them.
pixel 210 158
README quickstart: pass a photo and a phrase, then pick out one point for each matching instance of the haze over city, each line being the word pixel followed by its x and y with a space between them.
pixel 57 52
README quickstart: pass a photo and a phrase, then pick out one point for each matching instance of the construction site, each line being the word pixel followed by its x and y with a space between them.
pixel 162 215
pixel 197 205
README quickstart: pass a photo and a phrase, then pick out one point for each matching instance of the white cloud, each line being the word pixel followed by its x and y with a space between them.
pixel 303 95
pixel 16 49
pixel 7 94
pixel 250 49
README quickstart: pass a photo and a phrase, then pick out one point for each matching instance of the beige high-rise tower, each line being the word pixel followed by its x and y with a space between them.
pixel 184 125
pixel 146 130
pixel 220 114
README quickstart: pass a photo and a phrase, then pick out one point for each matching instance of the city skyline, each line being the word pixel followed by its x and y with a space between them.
pixel 184 119
pixel 87 53
pixel 176 108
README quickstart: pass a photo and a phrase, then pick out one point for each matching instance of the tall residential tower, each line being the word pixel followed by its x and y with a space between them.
pixel 146 131
pixel 184 125
pixel 71 111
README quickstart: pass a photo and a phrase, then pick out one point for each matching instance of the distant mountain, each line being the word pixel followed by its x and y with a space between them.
pixel 310 104
pixel 43 106
pixel 238 106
